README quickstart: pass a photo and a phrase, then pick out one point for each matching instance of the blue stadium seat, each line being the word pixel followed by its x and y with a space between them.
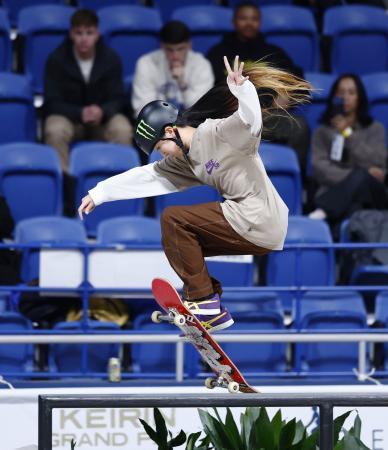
pixel 45 230
pixel 30 180
pixel 313 111
pixel 43 27
pixel 207 24
pixel 98 4
pixel 130 30
pixel 286 269
pixel 5 42
pixel 234 3
pixel 192 196
pixel 13 7
pixel 325 310
pixel 5 301
pixel 355 31
pixel 129 230
pixel 282 166
pixel 376 85
pixel 294 30
pixel 257 357
pixel 167 7
pixel 93 162
pixel 15 357
pixel 68 357
pixel 255 302
pixel 16 107
pixel 159 358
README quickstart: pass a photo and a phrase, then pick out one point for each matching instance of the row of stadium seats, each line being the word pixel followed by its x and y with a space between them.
pixel 253 313
pixel 34 170
pixel 291 267
pixel 133 31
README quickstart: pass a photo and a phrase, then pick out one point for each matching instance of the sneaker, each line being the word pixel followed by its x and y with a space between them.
pixel 216 323
pixel 210 307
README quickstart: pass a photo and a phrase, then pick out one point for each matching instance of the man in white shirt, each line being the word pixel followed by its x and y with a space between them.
pixel 84 92
pixel 173 73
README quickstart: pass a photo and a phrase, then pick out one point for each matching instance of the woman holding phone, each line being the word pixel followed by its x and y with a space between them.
pixel 348 154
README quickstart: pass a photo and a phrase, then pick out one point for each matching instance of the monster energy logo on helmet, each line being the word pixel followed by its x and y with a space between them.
pixel 151 122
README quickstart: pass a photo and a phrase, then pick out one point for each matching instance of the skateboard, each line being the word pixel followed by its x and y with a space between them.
pixel 227 374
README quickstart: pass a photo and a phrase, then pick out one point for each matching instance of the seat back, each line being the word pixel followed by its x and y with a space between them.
pixel 294 30
pixel 376 85
pixel 5 42
pixel 15 357
pixel 207 24
pixel 16 107
pixel 98 4
pixel 33 170
pixel 167 8
pixel 45 230
pixel 129 230
pixel 69 357
pixel 282 166
pixel 13 7
pixel 355 30
pixel 257 357
pixel 93 162
pixel 325 310
pixel 131 31
pixel 43 27
pixel 299 266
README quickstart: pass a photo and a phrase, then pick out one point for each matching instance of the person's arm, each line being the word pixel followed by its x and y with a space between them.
pixel 55 101
pixel 144 87
pixel 138 182
pixel 200 80
pixel 326 171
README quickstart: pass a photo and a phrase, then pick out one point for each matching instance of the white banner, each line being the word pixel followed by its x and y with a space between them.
pixel 112 429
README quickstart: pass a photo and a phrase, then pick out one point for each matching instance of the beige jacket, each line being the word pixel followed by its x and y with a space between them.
pixel 223 154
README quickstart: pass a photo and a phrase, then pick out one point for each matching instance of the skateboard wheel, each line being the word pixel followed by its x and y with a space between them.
pixel 179 320
pixel 233 387
pixel 156 316
pixel 210 383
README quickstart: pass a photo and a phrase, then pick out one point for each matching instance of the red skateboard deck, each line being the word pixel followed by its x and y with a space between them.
pixel 227 373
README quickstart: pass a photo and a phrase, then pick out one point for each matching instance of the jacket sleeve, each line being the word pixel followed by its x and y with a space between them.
pixel 115 88
pixel 55 101
pixel 326 171
pixel 138 182
pixel 144 88
pixel 201 79
pixel 367 146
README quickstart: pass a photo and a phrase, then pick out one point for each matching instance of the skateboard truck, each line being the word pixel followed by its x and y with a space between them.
pixel 173 317
pixel 221 381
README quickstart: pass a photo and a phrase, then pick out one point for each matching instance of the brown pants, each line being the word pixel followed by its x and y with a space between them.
pixel 59 132
pixel 189 233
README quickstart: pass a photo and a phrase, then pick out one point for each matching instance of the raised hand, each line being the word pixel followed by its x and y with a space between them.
pixel 235 76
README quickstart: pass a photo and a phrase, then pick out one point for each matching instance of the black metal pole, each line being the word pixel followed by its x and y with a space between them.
pixel 326 426
pixel 44 424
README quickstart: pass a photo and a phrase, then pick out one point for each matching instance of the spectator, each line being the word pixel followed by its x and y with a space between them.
pixel 173 73
pixel 84 92
pixel 348 154
pixel 9 261
pixel 249 43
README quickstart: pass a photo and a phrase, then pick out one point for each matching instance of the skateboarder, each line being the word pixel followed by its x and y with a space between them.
pixel 215 142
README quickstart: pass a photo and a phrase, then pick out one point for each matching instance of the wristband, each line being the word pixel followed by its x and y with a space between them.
pixel 348 131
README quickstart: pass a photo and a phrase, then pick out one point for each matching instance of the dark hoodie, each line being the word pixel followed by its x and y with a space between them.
pixel 251 50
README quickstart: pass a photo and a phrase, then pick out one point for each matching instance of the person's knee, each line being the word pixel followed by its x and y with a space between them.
pixel 57 130
pixel 168 217
pixel 119 130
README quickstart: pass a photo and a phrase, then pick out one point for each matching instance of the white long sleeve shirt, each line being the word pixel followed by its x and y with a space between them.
pixel 223 154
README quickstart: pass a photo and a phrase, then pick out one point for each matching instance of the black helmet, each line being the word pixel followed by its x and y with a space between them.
pixel 151 122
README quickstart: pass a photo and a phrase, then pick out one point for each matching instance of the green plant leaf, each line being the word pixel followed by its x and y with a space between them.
pixel 276 426
pixel 311 442
pixel 287 434
pixel 247 420
pixel 73 443
pixel 263 430
pixel 178 440
pixel 338 424
pixel 215 430
pixel 151 432
pixel 192 439
pixel 232 431
pixel 357 427
pixel 160 424
pixel 300 432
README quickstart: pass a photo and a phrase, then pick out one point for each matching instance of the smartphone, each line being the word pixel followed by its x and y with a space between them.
pixel 337 107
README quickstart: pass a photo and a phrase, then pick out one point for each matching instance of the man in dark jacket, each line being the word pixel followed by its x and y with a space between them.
pixel 84 92
pixel 249 43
